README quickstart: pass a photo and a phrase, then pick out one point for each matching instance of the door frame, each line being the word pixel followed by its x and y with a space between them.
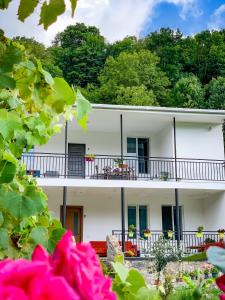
pixel 182 214
pixel 81 219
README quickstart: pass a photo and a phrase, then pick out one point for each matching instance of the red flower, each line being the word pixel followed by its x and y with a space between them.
pixel 71 273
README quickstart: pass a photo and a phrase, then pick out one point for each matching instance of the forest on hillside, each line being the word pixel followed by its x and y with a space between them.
pixel 165 68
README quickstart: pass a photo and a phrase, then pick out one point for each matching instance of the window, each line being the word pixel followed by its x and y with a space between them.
pixel 131 145
pixel 138 216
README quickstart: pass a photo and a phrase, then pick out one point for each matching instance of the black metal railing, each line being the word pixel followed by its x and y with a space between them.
pixel 132 168
pixel 190 242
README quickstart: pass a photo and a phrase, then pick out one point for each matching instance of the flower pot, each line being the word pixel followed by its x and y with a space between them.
pixel 130 234
pixel 170 234
pixel 123 166
pixel 199 234
pixel 147 234
pixel 89 159
pixel 157 282
pixel 221 235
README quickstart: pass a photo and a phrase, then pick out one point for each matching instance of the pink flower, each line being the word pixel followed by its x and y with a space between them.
pixel 79 266
pixel 220 281
pixel 71 273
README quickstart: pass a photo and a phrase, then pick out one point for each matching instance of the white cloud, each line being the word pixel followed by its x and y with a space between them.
pixel 217 20
pixel 115 18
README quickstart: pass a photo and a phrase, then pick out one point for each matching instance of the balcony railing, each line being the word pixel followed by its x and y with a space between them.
pixel 189 242
pixel 132 168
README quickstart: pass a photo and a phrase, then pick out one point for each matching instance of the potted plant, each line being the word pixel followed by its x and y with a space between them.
pixel 221 233
pixel 120 164
pixel 206 273
pixel 214 272
pixel 164 176
pixel 147 233
pixel 131 230
pixel 170 234
pixel 199 233
pixel 90 157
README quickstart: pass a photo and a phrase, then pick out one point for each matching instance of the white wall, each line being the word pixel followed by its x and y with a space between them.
pixel 214 211
pixel 102 211
pixel 199 141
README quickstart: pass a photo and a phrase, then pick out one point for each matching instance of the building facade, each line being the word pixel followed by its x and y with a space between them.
pixel 155 168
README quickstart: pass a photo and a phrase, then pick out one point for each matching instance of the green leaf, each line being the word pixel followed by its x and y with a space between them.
pixel 121 271
pixel 4 4
pixel 1 218
pixel 9 121
pixel 47 76
pixel 22 205
pixel 216 256
pixel 50 12
pixel 136 280
pixel 10 57
pixel 7 171
pixel 4 238
pixel 63 95
pixel 39 235
pixel 73 6
pixel 26 8
pixel 147 294
pixel 7 82
pixel 54 238
pixel 83 107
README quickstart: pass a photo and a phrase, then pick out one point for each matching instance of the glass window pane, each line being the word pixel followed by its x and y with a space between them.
pixel 76 223
pixel 132 216
pixel 131 145
pixel 143 218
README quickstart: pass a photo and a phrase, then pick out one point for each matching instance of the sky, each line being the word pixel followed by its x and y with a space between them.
pixel 119 18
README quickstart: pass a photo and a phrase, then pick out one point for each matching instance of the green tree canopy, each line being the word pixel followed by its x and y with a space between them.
pixel 166 44
pixel 215 93
pixel 131 72
pixel 187 92
pixel 80 52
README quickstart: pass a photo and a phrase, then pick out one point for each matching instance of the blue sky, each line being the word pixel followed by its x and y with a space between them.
pixel 168 15
pixel 117 19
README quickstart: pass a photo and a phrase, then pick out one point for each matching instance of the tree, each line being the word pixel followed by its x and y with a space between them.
pixel 38 50
pixel 215 93
pixel 131 72
pixel 80 51
pixel 187 92
pixel 48 13
pixel 129 44
pixel 31 105
pixel 204 55
pixel 166 44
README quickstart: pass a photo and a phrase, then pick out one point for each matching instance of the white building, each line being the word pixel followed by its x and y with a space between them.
pixel 163 150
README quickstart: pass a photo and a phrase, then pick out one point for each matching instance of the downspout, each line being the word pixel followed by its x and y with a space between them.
pixel 122 196
pixel 65 175
pixel 177 205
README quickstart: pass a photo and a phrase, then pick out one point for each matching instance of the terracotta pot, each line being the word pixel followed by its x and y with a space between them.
pixel 89 159
pixel 157 282
pixel 123 166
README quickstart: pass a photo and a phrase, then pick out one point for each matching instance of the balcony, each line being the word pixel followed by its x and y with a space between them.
pixel 106 167
pixel 189 242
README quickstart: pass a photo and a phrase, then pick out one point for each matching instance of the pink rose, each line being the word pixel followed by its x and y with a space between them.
pixel 71 273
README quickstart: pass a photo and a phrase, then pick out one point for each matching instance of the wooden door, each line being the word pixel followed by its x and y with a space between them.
pixel 76 162
pixel 74 221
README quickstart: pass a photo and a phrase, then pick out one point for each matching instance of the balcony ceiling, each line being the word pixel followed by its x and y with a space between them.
pixel 108 120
